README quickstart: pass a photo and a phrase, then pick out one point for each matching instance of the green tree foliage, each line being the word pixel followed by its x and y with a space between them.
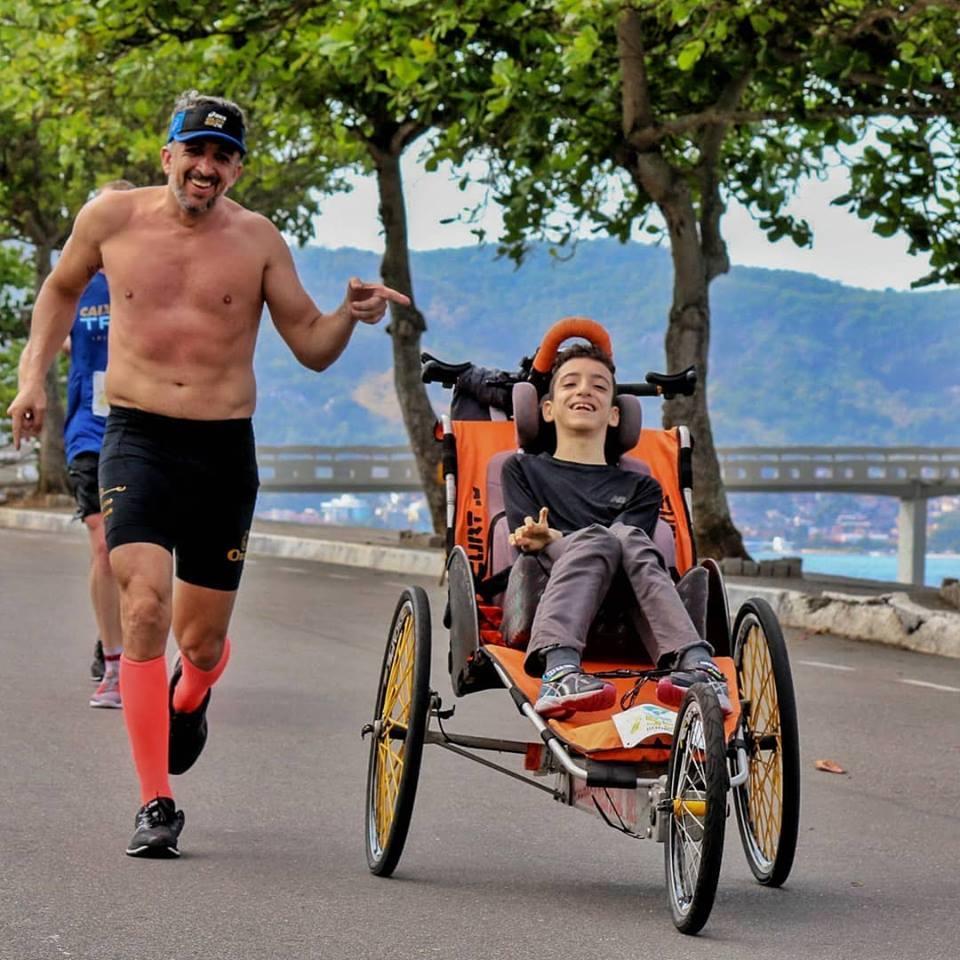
pixel 57 140
pixel 652 115
pixel 365 81
pixel 15 282
pixel 78 109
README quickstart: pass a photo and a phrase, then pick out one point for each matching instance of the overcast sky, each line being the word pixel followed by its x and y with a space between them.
pixel 844 248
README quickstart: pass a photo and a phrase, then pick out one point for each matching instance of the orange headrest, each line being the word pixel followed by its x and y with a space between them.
pixel 564 330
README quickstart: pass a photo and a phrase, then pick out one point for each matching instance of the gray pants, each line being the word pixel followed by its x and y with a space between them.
pixel 576 575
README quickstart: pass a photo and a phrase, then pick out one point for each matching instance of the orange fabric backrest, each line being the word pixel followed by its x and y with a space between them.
pixel 660 450
pixel 478 441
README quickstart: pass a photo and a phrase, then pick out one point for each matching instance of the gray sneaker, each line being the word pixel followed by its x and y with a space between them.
pixel 566 690
pixel 108 693
pixel 672 689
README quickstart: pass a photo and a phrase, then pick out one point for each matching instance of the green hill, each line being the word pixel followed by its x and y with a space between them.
pixel 795 359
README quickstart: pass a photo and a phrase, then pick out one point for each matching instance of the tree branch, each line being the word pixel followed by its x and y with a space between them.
pixel 645 139
pixel 637 111
pixel 406 133
pixel 711 203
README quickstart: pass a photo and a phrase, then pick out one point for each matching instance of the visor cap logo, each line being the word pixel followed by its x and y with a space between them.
pixel 215 120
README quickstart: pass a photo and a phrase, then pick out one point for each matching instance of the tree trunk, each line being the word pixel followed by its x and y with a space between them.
pixel 407 324
pixel 688 342
pixel 52 464
pixel 688 332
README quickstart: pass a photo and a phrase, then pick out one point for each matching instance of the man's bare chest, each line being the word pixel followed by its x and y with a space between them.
pixel 150 269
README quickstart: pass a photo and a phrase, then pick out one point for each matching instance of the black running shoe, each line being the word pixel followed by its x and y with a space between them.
pixel 159 823
pixel 188 731
pixel 97 668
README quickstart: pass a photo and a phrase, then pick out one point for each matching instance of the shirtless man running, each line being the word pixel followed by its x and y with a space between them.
pixel 189 273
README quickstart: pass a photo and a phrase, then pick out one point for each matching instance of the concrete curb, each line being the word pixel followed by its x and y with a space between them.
pixel 423 563
pixel 890 618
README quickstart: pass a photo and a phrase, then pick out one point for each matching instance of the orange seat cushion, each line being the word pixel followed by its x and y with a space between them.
pixel 594 734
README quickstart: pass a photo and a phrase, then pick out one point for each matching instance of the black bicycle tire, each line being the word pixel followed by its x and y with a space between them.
pixel 690 918
pixel 383 860
pixel 776 872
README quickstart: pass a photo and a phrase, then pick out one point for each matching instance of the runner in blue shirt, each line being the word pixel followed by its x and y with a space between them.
pixel 86 418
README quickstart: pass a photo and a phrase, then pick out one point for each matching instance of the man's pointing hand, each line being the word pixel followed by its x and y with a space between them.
pixel 367 302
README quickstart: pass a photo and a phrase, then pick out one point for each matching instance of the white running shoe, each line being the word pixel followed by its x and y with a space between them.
pixel 107 694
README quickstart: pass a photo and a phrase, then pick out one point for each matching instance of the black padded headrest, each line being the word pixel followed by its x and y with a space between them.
pixel 534 436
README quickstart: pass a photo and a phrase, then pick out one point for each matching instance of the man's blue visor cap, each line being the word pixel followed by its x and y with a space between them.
pixel 210 123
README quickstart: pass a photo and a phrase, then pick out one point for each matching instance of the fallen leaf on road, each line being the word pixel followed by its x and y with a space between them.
pixel 828 766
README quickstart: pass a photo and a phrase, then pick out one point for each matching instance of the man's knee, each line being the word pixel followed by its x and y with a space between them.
pixel 99 552
pixel 202 644
pixel 145 608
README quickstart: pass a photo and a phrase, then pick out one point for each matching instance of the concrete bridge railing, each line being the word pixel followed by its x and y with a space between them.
pixel 912 474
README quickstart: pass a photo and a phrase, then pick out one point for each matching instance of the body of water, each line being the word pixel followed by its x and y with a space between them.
pixel 406 512
pixel 869 566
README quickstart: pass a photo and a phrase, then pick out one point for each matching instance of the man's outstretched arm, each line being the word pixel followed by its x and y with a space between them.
pixel 317 338
pixel 53 316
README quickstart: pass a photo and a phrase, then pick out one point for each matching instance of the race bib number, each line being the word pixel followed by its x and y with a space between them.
pixel 644 722
pixel 100 406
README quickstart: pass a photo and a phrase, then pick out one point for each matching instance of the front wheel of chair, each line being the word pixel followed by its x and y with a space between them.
pixel 398 730
pixel 697 808
pixel 768 801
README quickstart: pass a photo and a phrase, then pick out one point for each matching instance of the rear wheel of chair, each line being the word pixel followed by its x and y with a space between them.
pixel 697 798
pixel 398 730
pixel 768 802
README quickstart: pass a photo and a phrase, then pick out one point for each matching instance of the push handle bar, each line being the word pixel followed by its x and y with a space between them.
pixel 433 370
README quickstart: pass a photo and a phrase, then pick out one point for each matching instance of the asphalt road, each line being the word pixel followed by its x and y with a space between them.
pixel 273 862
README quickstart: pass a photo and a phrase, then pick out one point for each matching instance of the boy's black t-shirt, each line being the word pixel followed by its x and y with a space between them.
pixel 578 494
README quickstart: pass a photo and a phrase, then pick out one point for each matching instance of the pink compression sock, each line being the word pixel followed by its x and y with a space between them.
pixel 192 687
pixel 143 689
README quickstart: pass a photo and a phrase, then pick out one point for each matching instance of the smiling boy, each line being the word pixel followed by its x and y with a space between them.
pixel 587 521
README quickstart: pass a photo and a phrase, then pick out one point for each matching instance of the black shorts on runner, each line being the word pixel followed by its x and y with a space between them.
pixel 189 486
pixel 82 477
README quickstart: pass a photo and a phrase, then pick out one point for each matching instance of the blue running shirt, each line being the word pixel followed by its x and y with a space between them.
pixel 86 401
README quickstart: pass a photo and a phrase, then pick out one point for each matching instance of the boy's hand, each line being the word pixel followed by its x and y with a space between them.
pixel 534 535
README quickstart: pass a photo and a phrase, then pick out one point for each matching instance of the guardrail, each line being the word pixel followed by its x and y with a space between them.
pixel 904 472
pixel 887 471
pixel 913 474
pixel 17 467
pixel 299 469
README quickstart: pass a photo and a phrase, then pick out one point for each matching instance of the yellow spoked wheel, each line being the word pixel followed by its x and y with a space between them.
pixel 768 802
pixel 697 808
pixel 397 732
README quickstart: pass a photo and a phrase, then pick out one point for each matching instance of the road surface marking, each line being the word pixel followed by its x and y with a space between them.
pixel 826 666
pixel 932 686
pixel 292 570
pixel 340 576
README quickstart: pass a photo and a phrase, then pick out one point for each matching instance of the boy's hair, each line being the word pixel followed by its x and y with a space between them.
pixel 589 351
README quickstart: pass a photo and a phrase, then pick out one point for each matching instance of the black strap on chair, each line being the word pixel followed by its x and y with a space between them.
pixel 490 587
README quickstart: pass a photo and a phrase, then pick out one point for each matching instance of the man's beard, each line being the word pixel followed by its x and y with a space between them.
pixel 194 206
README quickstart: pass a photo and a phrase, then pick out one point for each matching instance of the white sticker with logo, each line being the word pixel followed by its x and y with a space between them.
pixel 100 406
pixel 644 722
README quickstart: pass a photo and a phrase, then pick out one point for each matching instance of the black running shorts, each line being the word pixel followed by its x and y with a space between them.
pixel 82 477
pixel 187 485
